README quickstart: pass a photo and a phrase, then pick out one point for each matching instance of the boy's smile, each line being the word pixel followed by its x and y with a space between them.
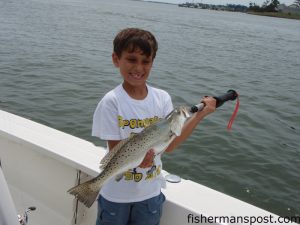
pixel 134 66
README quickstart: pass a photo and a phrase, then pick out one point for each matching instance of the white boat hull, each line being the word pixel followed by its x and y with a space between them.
pixel 40 164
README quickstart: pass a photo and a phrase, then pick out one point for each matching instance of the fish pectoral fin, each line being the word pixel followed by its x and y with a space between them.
pixel 119 177
pixel 105 160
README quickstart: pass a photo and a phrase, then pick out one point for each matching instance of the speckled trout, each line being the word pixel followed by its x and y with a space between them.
pixel 129 153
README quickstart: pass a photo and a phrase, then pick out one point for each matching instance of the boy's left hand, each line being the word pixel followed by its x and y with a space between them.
pixel 148 160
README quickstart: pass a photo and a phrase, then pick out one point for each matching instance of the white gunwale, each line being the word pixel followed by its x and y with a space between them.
pixel 38 153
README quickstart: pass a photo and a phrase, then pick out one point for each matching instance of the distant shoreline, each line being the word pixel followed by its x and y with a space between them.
pixel 277 14
pixel 269 14
pixel 153 1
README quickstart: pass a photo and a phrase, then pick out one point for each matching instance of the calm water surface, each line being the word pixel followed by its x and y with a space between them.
pixel 55 65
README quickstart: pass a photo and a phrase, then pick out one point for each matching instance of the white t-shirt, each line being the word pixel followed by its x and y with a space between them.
pixel 116 117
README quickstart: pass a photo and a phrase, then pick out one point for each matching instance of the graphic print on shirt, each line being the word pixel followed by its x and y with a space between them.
pixel 136 123
pixel 132 174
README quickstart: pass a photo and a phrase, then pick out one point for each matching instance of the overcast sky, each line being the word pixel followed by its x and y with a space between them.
pixel 224 2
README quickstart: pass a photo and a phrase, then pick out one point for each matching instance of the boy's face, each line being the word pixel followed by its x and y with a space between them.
pixel 134 66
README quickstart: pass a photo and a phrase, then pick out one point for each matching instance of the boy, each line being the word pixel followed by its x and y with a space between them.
pixel 136 199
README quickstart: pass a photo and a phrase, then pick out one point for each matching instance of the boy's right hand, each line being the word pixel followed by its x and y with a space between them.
pixel 148 160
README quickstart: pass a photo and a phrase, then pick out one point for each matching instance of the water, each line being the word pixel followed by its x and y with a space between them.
pixel 55 65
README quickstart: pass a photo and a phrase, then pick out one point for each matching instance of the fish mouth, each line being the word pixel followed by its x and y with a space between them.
pixel 178 117
pixel 185 112
pixel 182 112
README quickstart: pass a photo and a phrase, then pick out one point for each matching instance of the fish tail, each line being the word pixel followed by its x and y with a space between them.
pixel 86 192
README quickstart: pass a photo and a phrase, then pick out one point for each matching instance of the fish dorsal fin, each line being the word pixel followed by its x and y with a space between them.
pixel 105 160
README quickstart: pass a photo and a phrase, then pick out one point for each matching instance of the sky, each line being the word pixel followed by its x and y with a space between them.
pixel 224 2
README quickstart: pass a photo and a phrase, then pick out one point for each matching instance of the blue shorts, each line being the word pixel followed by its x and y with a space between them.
pixel 146 212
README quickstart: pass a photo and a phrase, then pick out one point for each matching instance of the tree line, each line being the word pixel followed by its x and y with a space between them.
pixel 269 6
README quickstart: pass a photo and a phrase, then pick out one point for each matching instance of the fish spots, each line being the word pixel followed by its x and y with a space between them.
pixel 129 153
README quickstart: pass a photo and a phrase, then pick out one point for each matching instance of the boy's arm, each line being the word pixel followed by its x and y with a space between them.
pixel 112 144
pixel 210 106
pixel 191 124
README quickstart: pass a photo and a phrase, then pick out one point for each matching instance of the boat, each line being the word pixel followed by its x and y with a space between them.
pixel 40 164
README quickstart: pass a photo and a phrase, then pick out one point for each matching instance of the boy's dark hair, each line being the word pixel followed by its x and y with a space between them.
pixel 131 39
